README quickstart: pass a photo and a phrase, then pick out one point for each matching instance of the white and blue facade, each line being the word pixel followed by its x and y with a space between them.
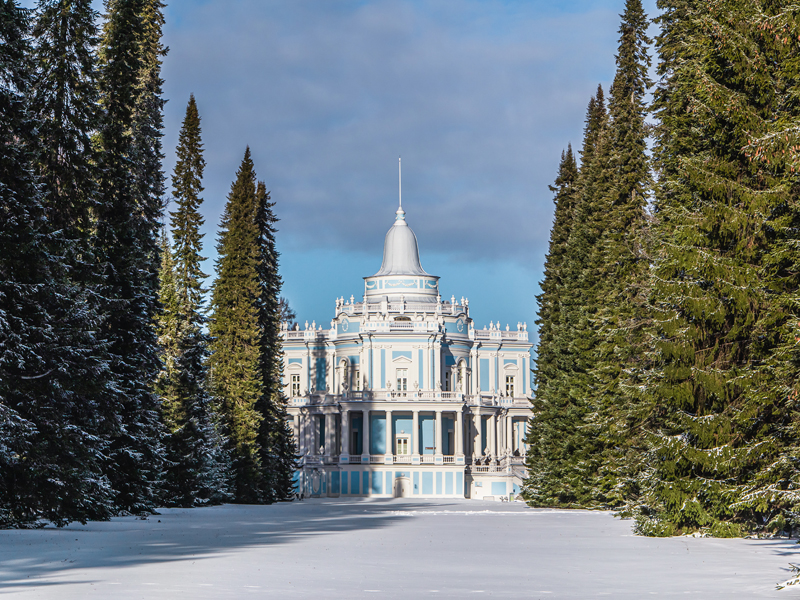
pixel 402 396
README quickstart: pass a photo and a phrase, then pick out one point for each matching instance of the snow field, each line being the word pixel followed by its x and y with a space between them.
pixel 352 548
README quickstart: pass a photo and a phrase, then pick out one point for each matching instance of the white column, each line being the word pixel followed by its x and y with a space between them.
pixel 437 361
pixel 415 434
pixel 509 434
pixel 365 443
pixel 296 429
pixel 478 448
pixel 491 434
pixel 459 431
pixel 330 434
pixel 345 432
pixel 438 433
pixel 389 436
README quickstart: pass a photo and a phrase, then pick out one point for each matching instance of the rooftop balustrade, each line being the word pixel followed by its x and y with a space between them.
pixel 321 399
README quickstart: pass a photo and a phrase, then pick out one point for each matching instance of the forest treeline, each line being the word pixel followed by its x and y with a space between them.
pixel 667 367
pixel 120 390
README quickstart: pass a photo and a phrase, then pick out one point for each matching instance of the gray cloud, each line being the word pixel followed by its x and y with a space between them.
pixel 478 97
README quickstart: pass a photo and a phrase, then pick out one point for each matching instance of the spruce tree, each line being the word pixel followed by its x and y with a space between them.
pixel 235 363
pixel 126 249
pixel 720 392
pixel 50 461
pixel 196 470
pixel 64 102
pixel 275 437
pixel 562 470
pixel 545 429
pixel 622 264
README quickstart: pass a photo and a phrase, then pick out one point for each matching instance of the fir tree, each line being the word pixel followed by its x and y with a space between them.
pixel 126 249
pixel 721 440
pixel 236 373
pixel 275 437
pixel 197 462
pixel 50 460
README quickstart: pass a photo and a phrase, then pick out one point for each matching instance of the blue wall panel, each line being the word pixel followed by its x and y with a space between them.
pixel 335 482
pixel 460 484
pixel 369 368
pixel 448 439
pixel 377 482
pixel 421 371
pixel 416 482
pixel 427 482
pixel 427 427
pixel 432 382
pixel 357 420
pixel 345 489
pixel 484 375
pixel 320 373
pixel 389 483
pixel 355 480
pixel 382 383
pixel 365 483
pixel 401 354
pixel 448 482
pixel 377 434
pixel 402 474
pixel 438 482
pixel 498 488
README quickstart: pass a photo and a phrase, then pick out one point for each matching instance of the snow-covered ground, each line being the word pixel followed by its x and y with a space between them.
pixel 383 548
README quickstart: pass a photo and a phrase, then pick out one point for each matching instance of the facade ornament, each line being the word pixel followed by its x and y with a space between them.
pixel 427 364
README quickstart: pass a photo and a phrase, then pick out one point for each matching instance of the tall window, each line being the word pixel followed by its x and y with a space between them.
pixel 295 385
pixel 402 380
pixel 510 385
pixel 401 444
pixel 356 380
pixel 447 375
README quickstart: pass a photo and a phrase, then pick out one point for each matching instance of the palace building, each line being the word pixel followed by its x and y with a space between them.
pixel 402 396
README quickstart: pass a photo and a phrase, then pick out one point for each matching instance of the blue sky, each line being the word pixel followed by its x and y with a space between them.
pixel 479 97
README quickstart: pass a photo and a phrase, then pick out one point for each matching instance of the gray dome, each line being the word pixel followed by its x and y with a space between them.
pixel 400 250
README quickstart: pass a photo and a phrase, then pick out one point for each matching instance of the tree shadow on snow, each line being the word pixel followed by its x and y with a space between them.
pixel 31 558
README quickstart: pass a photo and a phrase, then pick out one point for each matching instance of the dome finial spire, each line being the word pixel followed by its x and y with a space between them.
pixel 401 215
